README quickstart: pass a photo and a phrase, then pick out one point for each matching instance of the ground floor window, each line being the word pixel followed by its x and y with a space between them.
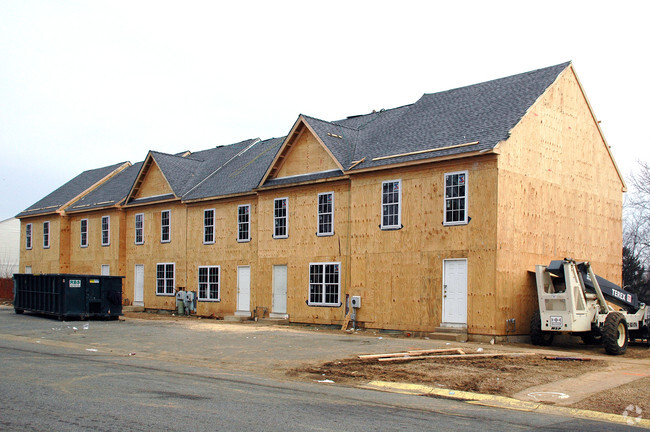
pixel 165 278
pixel 209 283
pixel 324 284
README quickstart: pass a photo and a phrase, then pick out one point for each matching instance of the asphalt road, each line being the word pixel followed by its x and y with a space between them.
pixel 53 380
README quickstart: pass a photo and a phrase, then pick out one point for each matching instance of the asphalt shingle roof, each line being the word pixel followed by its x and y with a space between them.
pixel 110 193
pixel 69 191
pixel 484 112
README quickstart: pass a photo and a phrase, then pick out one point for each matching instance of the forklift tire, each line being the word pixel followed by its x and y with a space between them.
pixel 594 337
pixel 615 334
pixel 537 336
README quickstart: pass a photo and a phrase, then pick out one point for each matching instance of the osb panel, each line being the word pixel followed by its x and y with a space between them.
pixel 40 259
pixel 88 260
pixel 301 248
pixel 398 273
pixel 153 251
pixel 226 252
pixel 559 196
pixel 305 156
pixel 154 183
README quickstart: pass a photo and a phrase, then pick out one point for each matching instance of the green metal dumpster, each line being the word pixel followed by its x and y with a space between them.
pixel 67 296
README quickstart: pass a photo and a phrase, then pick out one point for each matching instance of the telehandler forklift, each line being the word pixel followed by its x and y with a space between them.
pixel 574 300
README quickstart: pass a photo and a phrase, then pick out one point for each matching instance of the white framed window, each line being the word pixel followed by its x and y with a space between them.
pixel 391 204
pixel 28 269
pixel 28 236
pixel 165 279
pixel 209 277
pixel 325 214
pixel 208 226
pixel 46 235
pixel 325 284
pixel 281 218
pixel 83 238
pixel 106 230
pixel 244 223
pixel 139 228
pixel 165 222
pixel 455 198
pixel 105 270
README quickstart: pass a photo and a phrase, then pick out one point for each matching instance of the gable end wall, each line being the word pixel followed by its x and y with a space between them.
pixel 559 196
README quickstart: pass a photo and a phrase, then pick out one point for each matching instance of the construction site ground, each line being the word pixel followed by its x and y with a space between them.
pixel 609 384
pixel 599 382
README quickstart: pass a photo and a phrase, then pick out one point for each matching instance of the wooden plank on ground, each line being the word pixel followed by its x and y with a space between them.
pixel 408 353
pixel 457 356
pixel 346 323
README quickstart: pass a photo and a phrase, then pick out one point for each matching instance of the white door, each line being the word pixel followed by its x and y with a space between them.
pixel 138 290
pixel 106 270
pixel 454 292
pixel 243 291
pixel 279 291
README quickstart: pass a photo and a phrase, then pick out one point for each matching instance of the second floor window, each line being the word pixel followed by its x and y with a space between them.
pixel 106 230
pixel 456 198
pixel 208 226
pixel 244 223
pixel 391 201
pixel 28 236
pixel 165 217
pixel 139 228
pixel 84 232
pixel 326 213
pixel 281 218
pixel 46 234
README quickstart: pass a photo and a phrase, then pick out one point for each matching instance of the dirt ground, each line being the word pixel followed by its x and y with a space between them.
pixel 498 376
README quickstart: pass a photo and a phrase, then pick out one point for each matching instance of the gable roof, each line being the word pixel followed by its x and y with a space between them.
pixel 240 174
pixel 109 194
pixel 73 189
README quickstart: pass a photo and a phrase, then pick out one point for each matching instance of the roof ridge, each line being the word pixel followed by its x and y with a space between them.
pixel 328 122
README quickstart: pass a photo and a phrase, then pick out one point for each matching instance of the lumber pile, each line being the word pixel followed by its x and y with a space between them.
pixel 447 353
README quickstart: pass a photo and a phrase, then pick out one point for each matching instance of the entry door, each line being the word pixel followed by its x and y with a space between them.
pixel 279 290
pixel 138 290
pixel 244 290
pixel 106 270
pixel 454 291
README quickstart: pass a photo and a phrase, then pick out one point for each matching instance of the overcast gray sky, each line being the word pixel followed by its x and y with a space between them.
pixel 85 84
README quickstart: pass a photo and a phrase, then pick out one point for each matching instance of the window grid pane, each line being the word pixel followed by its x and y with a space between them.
pixel 28 236
pixel 208 226
pixel 243 222
pixel 139 228
pixel 46 234
pixel 324 284
pixel 105 230
pixel 164 226
pixel 325 213
pixel 84 232
pixel 455 198
pixel 390 200
pixel 209 282
pixel 280 217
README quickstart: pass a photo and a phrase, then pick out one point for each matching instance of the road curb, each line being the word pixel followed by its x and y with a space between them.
pixel 503 402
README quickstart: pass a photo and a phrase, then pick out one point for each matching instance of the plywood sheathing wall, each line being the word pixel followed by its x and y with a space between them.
pixel 304 156
pixel 226 251
pixel 398 274
pixel 88 260
pixel 559 196
pixel 41 260
pixel 153 182
pixel 302 247
pixel 153 251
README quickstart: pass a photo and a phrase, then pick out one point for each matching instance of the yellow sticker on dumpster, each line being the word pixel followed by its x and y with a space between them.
pixel 94 281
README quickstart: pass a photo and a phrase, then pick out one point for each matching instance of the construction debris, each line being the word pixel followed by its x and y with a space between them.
pixel 435 353
pixel 567 358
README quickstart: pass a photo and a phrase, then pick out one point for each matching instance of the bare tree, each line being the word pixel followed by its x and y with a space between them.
pixel 636 227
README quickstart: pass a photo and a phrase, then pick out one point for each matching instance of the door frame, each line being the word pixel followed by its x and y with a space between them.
pixel 444 279
pixel 238 311
pixel 135 285
pixel 274 314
